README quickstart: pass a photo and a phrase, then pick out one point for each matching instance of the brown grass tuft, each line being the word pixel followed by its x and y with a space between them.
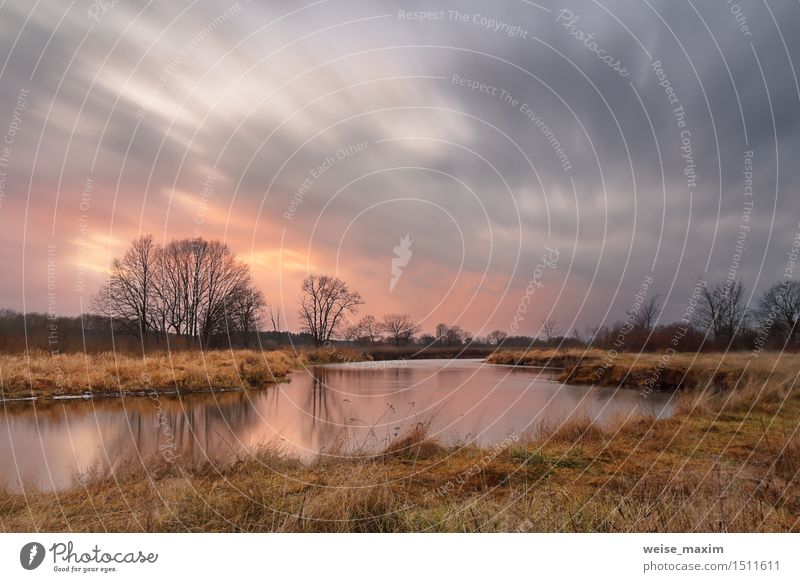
pixel 787 458
pixel 415 443
pixel 577 429
pixel 332 355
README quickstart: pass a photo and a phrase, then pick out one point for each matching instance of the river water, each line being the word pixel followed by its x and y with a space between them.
pixel 332 409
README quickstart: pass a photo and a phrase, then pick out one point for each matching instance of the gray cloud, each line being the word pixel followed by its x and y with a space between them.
pixel 258 96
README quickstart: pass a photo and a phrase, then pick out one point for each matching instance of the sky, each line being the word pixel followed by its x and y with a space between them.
pixel 557 160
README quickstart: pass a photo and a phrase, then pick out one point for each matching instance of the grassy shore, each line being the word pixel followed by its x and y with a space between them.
pixel 726 461
pixel 655 371
pixel 42 375
pixel 336 354
pixel 39 374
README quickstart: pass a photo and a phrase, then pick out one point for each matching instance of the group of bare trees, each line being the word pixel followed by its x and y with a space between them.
pixel 367 331
pixel 197 289
pixel 451 335
pixel 398 328
pixel 779 312
pixel 732 323
pixel 724 310
pixel 326 303
pixel 192 288
pixel 724 318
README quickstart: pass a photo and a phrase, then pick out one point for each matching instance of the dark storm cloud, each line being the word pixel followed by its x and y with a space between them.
pixel 556 149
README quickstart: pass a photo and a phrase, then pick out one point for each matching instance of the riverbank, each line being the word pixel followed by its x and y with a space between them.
pixel 655 371
pixel 41 375
pixel 337 354
pixel 723 462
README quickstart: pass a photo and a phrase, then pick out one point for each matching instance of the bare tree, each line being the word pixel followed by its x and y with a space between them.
pixel 645 318
pixel 399 327
pixel 274 317
pixel 224 282
pixel 323 303
pixel 245 311
pixel 550 329
pixel 723 308
pixel 496 337
pixel 127 297
pixel 172 291
pixel 450 335
pixel 779 310
pixel 368 329
pixel 582 336
pixel 350 333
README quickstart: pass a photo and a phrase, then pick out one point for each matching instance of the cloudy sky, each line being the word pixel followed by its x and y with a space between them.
pixel 614 140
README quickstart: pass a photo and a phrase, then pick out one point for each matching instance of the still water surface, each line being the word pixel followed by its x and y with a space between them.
pixel 325 409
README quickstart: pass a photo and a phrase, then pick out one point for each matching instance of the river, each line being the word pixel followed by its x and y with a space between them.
pixel 332 409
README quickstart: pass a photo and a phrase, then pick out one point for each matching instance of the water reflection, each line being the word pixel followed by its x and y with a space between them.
pixel 328 409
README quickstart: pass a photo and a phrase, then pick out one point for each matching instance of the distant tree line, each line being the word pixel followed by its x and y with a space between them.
pixel 721 318
pixel 94 333
pixel 195 293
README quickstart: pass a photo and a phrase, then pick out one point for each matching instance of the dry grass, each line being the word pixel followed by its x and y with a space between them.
pixel 728 460
pixel 787 458
pixel 657 371
pixel 331 355
pixel 728 466
pixel 538 357
pixel 575 429
pixel 39 374
pixel 414 444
